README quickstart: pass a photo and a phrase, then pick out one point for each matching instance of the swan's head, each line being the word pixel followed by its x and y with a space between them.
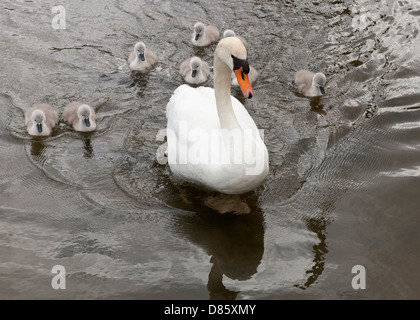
pixel 195 65
pixel 38 119
pixel 319 81
pixel 232 51
pixel 140 50
pixel 199 30
pixel 84 114
pixel 229 33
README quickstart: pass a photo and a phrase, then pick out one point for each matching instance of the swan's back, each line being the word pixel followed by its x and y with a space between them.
pixel 70 113
pixel 197 106
pixel 303 81
pixel 212 33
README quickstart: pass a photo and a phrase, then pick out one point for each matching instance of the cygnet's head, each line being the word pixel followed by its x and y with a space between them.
pixel 84 114
pixel 229 33
pixel 195 65
pixel 319 81
pixel 199 30
pixel 38 118
pixel 140 49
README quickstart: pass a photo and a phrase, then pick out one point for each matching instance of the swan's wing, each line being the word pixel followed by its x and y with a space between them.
pixel 70 113
pixel 131 57
pixel 191 112
pixel 205 68
pixel 303 80
pixel 194 106
pixel 184 69
pixel 151 57
pixel 93 113
pixel 212 33
pixel 51 115
pixel 242 115
pixel 28 114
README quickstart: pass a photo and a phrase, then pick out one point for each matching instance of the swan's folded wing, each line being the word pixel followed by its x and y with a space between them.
pixel 194 107
pixel 70 113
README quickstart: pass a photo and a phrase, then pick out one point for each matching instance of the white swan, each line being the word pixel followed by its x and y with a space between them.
pixel 194 70
pixel 142 58
pixel 212 140
pixel 80 116
pixel 204 35
pixel 310 84
pixel 40 119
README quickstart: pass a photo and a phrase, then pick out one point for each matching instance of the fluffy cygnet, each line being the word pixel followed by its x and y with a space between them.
pixel 142 58
pixel 204 35
pixel 40 119
pixel 194 70
pixel 310 84
pixel 80 116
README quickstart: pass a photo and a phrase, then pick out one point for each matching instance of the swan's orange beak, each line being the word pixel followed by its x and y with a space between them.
pixel 244 83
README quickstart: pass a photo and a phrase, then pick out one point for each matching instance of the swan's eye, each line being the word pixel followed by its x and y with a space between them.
pixel 239 63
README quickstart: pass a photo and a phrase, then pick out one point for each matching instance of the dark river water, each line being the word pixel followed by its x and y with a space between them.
pixel 344 180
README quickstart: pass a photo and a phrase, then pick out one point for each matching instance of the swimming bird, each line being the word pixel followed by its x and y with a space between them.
pixel 80 116
pixel 142 58
pixel 213 142
pixel 310 84
pixel 40 119
pixel 204 35
pixel 194 70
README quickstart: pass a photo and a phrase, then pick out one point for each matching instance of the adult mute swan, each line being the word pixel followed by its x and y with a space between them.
pixel 40 119
pixel 310 84
pixel 80 116
pixel 212 140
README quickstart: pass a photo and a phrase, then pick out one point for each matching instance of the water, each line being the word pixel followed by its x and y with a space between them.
pixel 344 169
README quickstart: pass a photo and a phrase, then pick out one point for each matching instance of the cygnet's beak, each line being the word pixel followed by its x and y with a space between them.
pixel 197 35
pixel 194 73
pixel 142 58
pixel 321 88
pixel 244 83
pixel 87 122
pixel 39 126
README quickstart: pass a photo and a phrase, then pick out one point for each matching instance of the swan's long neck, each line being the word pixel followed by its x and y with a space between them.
pixel 222 80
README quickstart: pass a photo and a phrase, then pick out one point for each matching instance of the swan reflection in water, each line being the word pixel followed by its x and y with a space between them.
pixel 235 242
pixel 87 146
pixel 37 147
